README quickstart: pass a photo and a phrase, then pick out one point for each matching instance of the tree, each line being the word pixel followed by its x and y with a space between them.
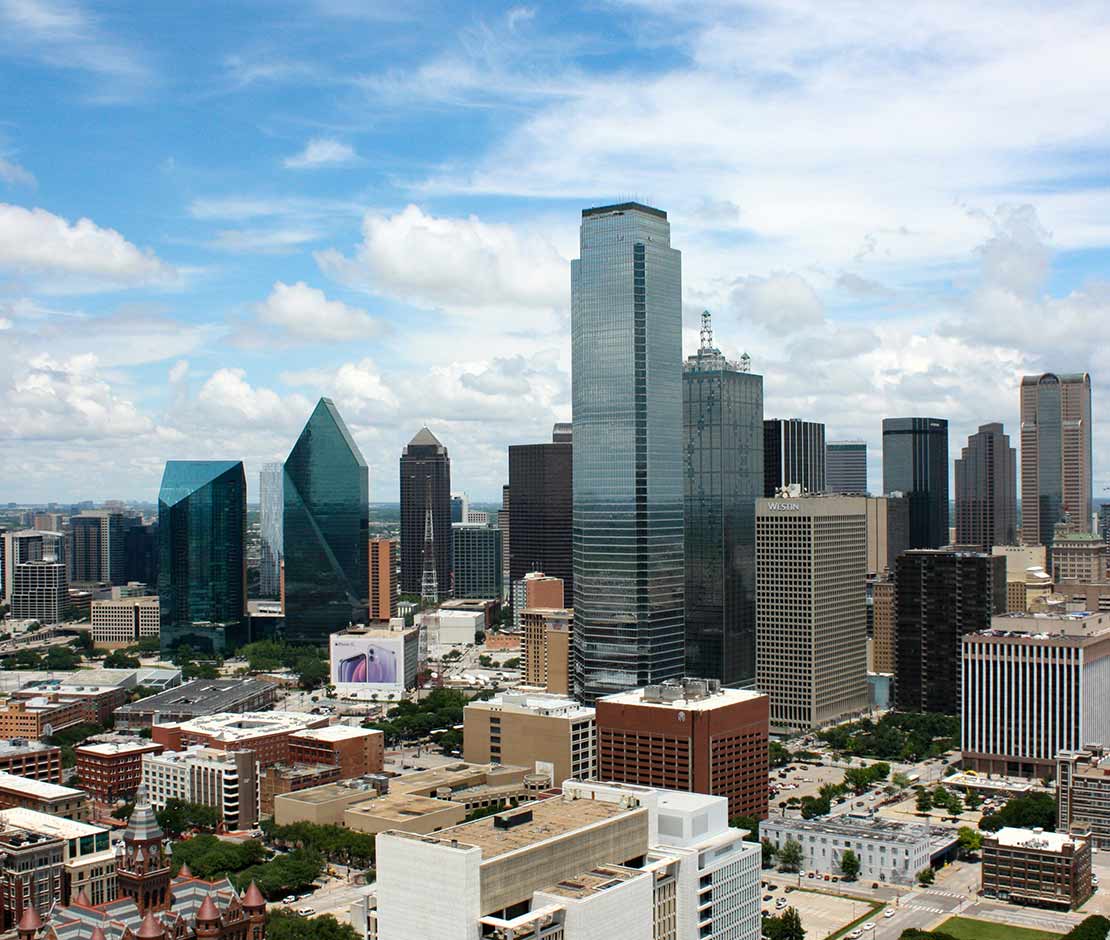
pixel 1095 927
pixel 769 853
pixel 813 806
pixel 179 816
pixel 970 840
pixel 786 926
pixel 747 823
pixel 790 856
pixel 209 857
pixel 286 874
pixel 312 672
pixel 1027 811
pixel 926 876
pixel 777 754
pixel 924 801
pixel 283 924
pixel 849 865
pixel 901 781
pixel 974 800
pixel 119 660
pixel 955 804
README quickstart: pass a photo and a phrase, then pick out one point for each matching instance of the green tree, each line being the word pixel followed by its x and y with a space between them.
pixel 747 823
pixel 1027 811
pixel 786 926
pixel 777 754
pixel 926 876
pixel 790 856
pixel 814 806
pixel 209 857
pixel 769 853
pixel 283 924
pixel 849 865
pixel 312 672
pixel 924 801
pixel 1095 927
pixel 955 804
pixel 179 816
pixel 119 660
pixel 974 800
pixel 970 840
pixel 286 874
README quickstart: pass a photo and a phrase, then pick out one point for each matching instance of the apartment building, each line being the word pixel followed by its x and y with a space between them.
pixel 112 770
pixel 223 779
pixel 123 622
pixel 1083 793
pixel 883 617
pixel 546 648
pixel 1031 866
pixel 267 734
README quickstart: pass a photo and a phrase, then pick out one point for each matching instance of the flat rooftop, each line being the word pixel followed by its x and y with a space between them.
pixel 1046 625
pixel 19 818
pixel 242 726
pixel 401 807
pixel 329 792
pixel 11 747
pixel 871 827
pixel 707 702
pixel 1034 839
pixel 334 733
pixel 535 703
pixel 199 697
pixel 115 748
pixel 39 789
pixel 454 776
pixel 594 881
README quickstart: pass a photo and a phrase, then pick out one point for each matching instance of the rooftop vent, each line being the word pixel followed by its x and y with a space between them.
pixel 512 818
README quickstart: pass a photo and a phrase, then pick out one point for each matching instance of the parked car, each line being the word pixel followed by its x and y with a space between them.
pixel 888 913
pixel 306 911
pixel 289 899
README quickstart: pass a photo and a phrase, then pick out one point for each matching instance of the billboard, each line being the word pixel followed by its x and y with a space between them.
pixel 369 663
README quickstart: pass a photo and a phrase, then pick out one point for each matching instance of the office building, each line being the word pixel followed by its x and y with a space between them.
pixel 888 531
pixel 986 490
pixel 325 534
pixel 504 523
pixel 888 851
pixel 43 797
pixel 546 649
pixel 940 596
pixel 846 467
pixel 723 462
pixel 1034 685
pixel 88 859
pixel 1079 556
pixel 271 509
pixel 551 734
pixel 476 560
pixel 225 780
pixel 626 326
pixel 383 579
pixel 368 664
pixel 602 860
pixel 32 876
pixel 688 735
pixel 1055 455
pixel 915 464
pixel 111 771
pixel 1083 793
pixel 140 554
pixel 267 734
pixel 793 455
pixel 1031 866
pixel 195 699
pixel 883 620
pixel 202 571
pixel 355 751
pixel 23 757
pixel 811 609
pixel 125 622
pixel 537 589
pixel 39 591
pixel 279 779
pixel 460 507
pixel 95 547
pixel 426 497
pixel 41 716
pixel 447 627
pixel 541 509
pixel 25 545
pixel 1026 575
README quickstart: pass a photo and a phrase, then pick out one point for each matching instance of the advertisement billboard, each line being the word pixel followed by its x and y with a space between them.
pixel 371 663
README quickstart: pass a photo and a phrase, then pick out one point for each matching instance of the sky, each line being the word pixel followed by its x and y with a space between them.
pixel 213 213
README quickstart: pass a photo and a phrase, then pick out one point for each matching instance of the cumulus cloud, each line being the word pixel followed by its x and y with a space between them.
pixel 783 302
pixel 305 313
pixel 228 397
pixel 15 174
pixel 322 152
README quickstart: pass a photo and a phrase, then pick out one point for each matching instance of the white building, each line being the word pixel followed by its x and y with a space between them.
pixel 602 861
pixel 124 622
pixel 225 780
pixel 446 627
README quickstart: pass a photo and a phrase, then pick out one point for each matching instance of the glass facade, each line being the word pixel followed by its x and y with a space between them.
pixel 540 512
pixel 793 455
pixel 272 507
pixel 426 473
pixel 326 530
pixel 723 425
pixel 915 463
pixel 476 553
pixel 202 569
pixel 986 490
pixel 846 467
pixel 626 348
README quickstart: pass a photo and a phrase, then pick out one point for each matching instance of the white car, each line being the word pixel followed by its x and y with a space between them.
pixel 855 934
pixel 869 926
pixel 889 912
pixel 290 899
pixel 306 911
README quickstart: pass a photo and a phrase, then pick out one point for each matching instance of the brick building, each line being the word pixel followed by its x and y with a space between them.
pixel 265 733
pixel 277 779
pixel 688 735
pixel 1043 869
pixel 355 751
pixel 113 770
pixel 99 701
pixel 32 759
pixel 546 648
pixel 44 797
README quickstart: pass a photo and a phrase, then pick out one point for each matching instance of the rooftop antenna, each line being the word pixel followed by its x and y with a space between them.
pixel 706 330
pixel 745 363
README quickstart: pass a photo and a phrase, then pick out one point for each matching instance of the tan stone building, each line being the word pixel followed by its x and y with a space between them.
pixel 883 620
pixel 546 648
pixel 1079 556
pixel 123 622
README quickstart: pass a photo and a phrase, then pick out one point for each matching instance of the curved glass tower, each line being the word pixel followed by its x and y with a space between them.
pixel 626 341
pixel 202 573
pixel 326 530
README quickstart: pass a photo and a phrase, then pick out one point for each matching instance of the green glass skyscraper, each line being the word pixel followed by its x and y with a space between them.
pixel 326 535
pixel 202 579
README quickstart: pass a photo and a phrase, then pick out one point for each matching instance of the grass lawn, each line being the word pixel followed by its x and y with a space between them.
pixel 964 928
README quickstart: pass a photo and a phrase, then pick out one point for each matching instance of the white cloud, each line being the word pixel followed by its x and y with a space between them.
pixel 783 303
pixel 322 152
pixel 231 400
pixel 75 256
pixel 15 174
pixel 264 241
pixel 306 313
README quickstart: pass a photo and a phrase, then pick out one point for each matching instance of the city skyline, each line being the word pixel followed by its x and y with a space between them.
pixel 224 234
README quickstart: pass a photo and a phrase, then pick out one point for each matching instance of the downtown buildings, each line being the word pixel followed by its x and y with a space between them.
pixel 986 490
pixel 793 455
pixel 846 467
pixel 426 516
pixel 626 351
pixel 915 463
pixel 271 511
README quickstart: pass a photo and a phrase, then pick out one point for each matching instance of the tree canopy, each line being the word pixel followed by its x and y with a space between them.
pixel 1027 811
pixel 283 924
pixel 902 736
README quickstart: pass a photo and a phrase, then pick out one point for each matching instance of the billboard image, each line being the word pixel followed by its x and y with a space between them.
pixel 372 662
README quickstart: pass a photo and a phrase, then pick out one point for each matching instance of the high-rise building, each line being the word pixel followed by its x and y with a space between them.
pixel 888 531
pixel 915 463
pixel 626 351
pixel 227 781
pixel 811 609
pixel 25 545
pixel 96 547
pixel 271 509
pixel 793 455
pixel 504 523
pixel 460 507
pixel 124 622
pixel 940 596
pixel 326 521
pixel 541 509
pixel 723 425
pixel 140 554
pixel 883 618
pixel 1081 777
pixel 39 591
pixel 426 484
pixel 476 560
pixel 1055 454
pixel 202 581
pixel 545 649
pixel 986 490
pixel 383 579
pixel 846 466
pixel 1079 556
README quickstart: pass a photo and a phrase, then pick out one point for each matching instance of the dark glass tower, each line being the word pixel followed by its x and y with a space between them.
pixel 793 455
pixel 202 571
pixel 986 490
pixel 723 425
pixel 141 554
pixel 846 466
pixel 626 349
pixel 915 463
pixel 940 596
pixel 425 473
pixel 541 510
pixel 325 492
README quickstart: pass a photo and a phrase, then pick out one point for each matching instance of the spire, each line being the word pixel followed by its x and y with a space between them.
pixel 429 588
pixel 151 928
pixel 82 899
pixel 143 824
pixel 185 872
pixel 253 898
pixel 706 331
pixel 30 921
pixel 208 911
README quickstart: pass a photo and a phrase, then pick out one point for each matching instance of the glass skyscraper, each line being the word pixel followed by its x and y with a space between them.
pixel 325 491
pixel 426 476
pixel 476 560
pixel 915 463
pixel 723 425
pixel 846 466
pixel 272 507
pixel 202 570
pixel 793 455
pixel 626 347
pixel 541 481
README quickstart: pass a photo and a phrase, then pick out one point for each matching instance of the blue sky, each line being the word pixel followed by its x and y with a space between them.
pixel 213 213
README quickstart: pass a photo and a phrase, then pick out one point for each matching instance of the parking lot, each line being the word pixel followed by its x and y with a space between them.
pixel 821 914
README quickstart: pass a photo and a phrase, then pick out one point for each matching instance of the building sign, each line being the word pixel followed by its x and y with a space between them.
pixel 784 507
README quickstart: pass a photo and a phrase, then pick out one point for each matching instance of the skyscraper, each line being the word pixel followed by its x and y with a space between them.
pixel 1055 454
pixel 96 549
pixel 626 351
pixel 723 425
pixel 325 492
pixel 915 463
pixel 426 479
pixel 793 454
pixel 272 507
pixel 846 466
pixel 476 560
pixel 383 579
pixel 986 490
pixel 541 510
pixel 202 570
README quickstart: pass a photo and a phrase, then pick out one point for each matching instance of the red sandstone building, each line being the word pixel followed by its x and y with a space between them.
pixel 690 735
pixel 355 751
pixel 113 770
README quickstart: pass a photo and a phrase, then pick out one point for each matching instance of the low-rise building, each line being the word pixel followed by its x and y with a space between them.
pixel 449 627
pixel 553 734
pixel 112 770
pixel 32 873
pixel 40 717
pixel 1031 866
pixel 89 861
pixel 223 779
pixel 546 648
pixel 1079 556
pixel 45 797
pixel 267 734
pixel 356 751
pixel 277 779
pixel 1026 574
pixel 100 702
pixel 29 758
pixel 124 622
pixel 196 699
pixel 1083 793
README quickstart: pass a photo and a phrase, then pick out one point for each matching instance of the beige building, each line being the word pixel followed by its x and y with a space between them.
pixel 550 733
pixel 811 608
pixel 1026 577
pixel 88 858
pixel 545 648
pixel 1086 595
pixel 883 620
pixel 44 797
pixel 123 622
pixel 1079 556
pixel 888 531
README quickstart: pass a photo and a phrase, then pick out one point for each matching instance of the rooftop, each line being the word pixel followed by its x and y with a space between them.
pixel 245 725
pixel 1035 839
pixel 19 818
pixel 9 747
pixel 199 697
pixel 114 748
pixel 39 789
pixel 687 695
pixel 594 881
pixel 865 827
pixel 401 807
pixel 540 704
pixel 1046 625
pixel 335 733
pixel 624 207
